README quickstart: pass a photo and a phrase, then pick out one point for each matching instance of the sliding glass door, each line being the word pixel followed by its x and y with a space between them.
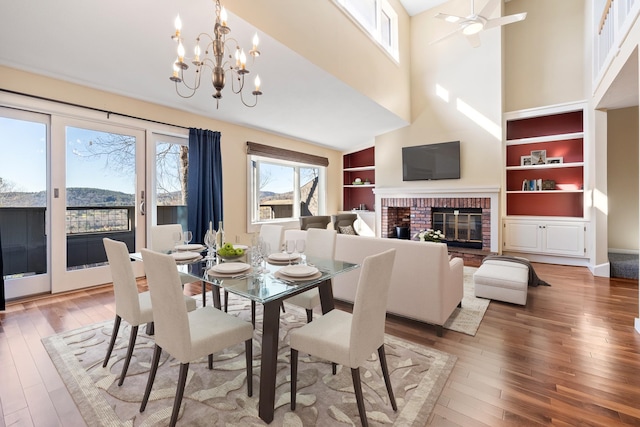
pixel 24 213
pixel 68 179
pixel 98 192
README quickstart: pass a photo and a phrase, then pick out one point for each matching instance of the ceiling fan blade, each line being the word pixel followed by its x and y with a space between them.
pixel 474 40
pixel 492 23
pixel 489 7
pixel 449 18
pixel 446 36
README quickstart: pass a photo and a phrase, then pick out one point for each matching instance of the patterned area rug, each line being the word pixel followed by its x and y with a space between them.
pixel 219 397
pixel 467 319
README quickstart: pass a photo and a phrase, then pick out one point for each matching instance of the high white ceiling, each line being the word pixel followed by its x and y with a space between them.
pixel 414 7
pixel 124 47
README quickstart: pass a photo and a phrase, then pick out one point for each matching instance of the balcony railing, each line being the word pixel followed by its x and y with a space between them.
pixel 613 20
pixel 24 239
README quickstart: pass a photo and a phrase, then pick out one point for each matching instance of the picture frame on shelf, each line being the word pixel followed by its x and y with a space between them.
pixel 538 157
pixel 525 160
pixel 554 160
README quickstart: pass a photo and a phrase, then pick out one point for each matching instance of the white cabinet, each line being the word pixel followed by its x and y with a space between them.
pixel 564 238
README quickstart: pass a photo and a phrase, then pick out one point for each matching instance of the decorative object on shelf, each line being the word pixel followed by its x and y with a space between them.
pixel 554 160
pixel 525 160
pixel 357 181
pixel 215 57
pixel 548 184
pixel 429 235
pixel 367 182
pixel 538 157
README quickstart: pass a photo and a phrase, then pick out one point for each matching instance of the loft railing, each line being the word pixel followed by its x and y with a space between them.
pixel 612 21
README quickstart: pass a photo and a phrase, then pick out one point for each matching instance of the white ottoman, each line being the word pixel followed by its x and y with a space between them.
pixel 502 281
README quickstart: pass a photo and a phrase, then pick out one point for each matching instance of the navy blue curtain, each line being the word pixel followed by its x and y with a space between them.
pixel 204 182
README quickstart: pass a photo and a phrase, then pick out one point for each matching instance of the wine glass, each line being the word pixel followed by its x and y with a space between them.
pixel 187 236
pixel 265 251
pixel 300 247
pixel 210 242
pixel 290 248
pixel 177 239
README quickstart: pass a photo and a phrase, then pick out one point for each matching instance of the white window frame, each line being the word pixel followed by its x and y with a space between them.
pixel 382 6
pixel 254 222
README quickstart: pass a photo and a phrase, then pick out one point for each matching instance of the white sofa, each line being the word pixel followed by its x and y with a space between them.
pixel 425 284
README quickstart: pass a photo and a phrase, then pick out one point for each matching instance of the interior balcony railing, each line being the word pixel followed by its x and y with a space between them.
pixel 613 19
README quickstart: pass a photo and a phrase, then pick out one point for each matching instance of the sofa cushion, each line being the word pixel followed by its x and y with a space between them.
pixel 347 229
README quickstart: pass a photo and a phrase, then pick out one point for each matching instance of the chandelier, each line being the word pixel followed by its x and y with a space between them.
pixel 217 58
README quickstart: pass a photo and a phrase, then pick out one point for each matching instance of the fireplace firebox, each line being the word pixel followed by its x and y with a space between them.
pixel 462 227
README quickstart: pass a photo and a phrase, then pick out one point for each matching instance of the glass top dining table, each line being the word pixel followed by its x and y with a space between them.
pixel 269 288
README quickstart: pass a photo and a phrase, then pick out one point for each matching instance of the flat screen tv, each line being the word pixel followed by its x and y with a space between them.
pixel 432 161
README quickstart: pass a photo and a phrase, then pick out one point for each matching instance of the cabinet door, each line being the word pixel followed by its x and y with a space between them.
pixel 525 236
pixel 564 239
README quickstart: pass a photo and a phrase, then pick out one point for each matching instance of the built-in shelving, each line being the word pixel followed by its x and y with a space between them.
pixel 544 203
pixel 561 137
pixel 359 165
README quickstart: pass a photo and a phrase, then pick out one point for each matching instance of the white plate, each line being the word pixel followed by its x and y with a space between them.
pixel 190 247
pixel 283 256
pixel 298 270
pixel 183 256
pixel 230 267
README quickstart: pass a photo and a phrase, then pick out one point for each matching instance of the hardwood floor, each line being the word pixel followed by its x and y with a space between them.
pixel 570 357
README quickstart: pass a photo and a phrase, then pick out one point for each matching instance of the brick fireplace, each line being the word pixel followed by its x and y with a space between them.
pixel 414 208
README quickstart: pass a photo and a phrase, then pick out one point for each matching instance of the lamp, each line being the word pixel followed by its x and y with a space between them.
pixel 216 57
pixel 473 25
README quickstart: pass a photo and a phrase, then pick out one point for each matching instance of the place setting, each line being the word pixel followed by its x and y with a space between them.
pixel 233 270
pixel 283 258
pixel 186 256
pixel 297 273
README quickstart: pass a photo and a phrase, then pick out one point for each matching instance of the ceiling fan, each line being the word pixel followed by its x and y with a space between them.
pixel 472 25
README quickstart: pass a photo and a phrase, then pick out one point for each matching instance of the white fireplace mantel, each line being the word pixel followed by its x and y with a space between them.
pixel 491 193
pixel 439 192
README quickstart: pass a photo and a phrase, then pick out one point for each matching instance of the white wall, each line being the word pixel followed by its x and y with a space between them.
pixel 623 189
pixel 456 94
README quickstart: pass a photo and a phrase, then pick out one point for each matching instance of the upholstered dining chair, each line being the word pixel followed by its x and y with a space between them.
pixel 163 240
pixel 187 336
pixel 272 234
pixel 316 221
pixel 344 223
pixel 349 338
pixel 322 244
pixel 131 306
pixel 162 237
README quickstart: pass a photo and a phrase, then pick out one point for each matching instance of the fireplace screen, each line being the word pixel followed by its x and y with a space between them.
pixel 460 227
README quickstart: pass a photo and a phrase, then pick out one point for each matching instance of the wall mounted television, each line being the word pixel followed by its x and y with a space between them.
pixel 431 161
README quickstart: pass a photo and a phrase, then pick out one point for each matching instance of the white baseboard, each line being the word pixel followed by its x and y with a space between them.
pixel 637 325
pixel 601 270
pixel 623 251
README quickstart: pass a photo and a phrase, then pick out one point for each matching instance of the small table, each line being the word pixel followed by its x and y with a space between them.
pixel 265 288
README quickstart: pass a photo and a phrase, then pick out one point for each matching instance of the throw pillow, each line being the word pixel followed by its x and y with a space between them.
pixel 347 230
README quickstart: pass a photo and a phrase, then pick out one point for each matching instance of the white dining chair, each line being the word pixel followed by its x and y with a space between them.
pixel 349 339
pixel 133 307
pixel 187 336
pixel 162 237
pixel 272 234
pixel 163 240
pixel 320 243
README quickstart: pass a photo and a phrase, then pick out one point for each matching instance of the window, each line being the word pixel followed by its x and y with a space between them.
pixel 284 184
pixel 283 190
pixel 378 19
